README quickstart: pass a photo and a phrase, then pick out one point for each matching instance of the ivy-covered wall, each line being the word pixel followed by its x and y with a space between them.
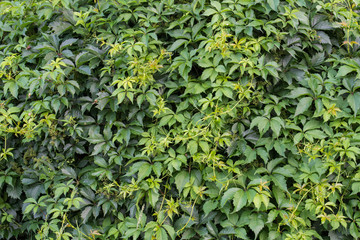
pixel 174 119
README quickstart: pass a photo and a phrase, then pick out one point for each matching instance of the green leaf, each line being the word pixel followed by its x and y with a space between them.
pixel 192 147
pixel 207 73
pixel 164 120
pixel 181 179
pixel 204 146
pixel 318 58
pixel 312 124
pixel 300 91
pixel 354 102
pixel 298 137
pixel 276 124
pixel 239 200
pixel 98 148
pixel 161 234
pixel 257 201
pixel 273 4
pixel 61 89
pixel 344 70
pixel 209 12
pixel 67 43
pixel 209 206
pixel 323 25
pixel 151 98
pixel 280 181
pixel 59 26
pixel 205 63
pixel 212 228
pixel 55 104
pixel 157 167
pixel 241 232
pixel 217 5
pixel 279 148
pixel 113 231
pixel 229 194
pixel 228 92
pixel 262 123
pixel 220 69
pixel 318 134
pixel 96 138
pixel 86 213
pixel 121 97
pixel 250 194
pixel 100 161
pixel 170 231
pixel 355 187
pixel 144 171
pixel 250 154
pixel 178 43
pixel 30 200
pixel 13 87
pixel 29 208
pixel 287 171
pixel 263 153
pixel 34 191
pixel 272 215
pixel 68 171
pixel 153 197
pixel 256 224
pixel 14 191
pixel 303 18
pixel 353 229
pixel 13 110
pixel 84 70
pixel 303 105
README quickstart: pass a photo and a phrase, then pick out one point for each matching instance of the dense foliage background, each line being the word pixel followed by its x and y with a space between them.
pixel 174 119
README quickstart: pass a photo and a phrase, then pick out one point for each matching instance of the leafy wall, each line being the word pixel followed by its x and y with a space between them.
pixel 174 119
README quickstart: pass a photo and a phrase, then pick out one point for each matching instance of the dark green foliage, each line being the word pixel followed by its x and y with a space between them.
pixel 134 119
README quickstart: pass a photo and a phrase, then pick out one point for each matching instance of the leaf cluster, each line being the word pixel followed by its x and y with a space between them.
pixel 173 119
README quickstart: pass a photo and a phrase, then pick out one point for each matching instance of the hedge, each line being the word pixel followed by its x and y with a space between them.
pixel 174 119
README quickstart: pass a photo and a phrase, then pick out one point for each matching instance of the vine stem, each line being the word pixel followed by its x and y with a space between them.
pixel 191 213
pixel 292 215
pixel 72 226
